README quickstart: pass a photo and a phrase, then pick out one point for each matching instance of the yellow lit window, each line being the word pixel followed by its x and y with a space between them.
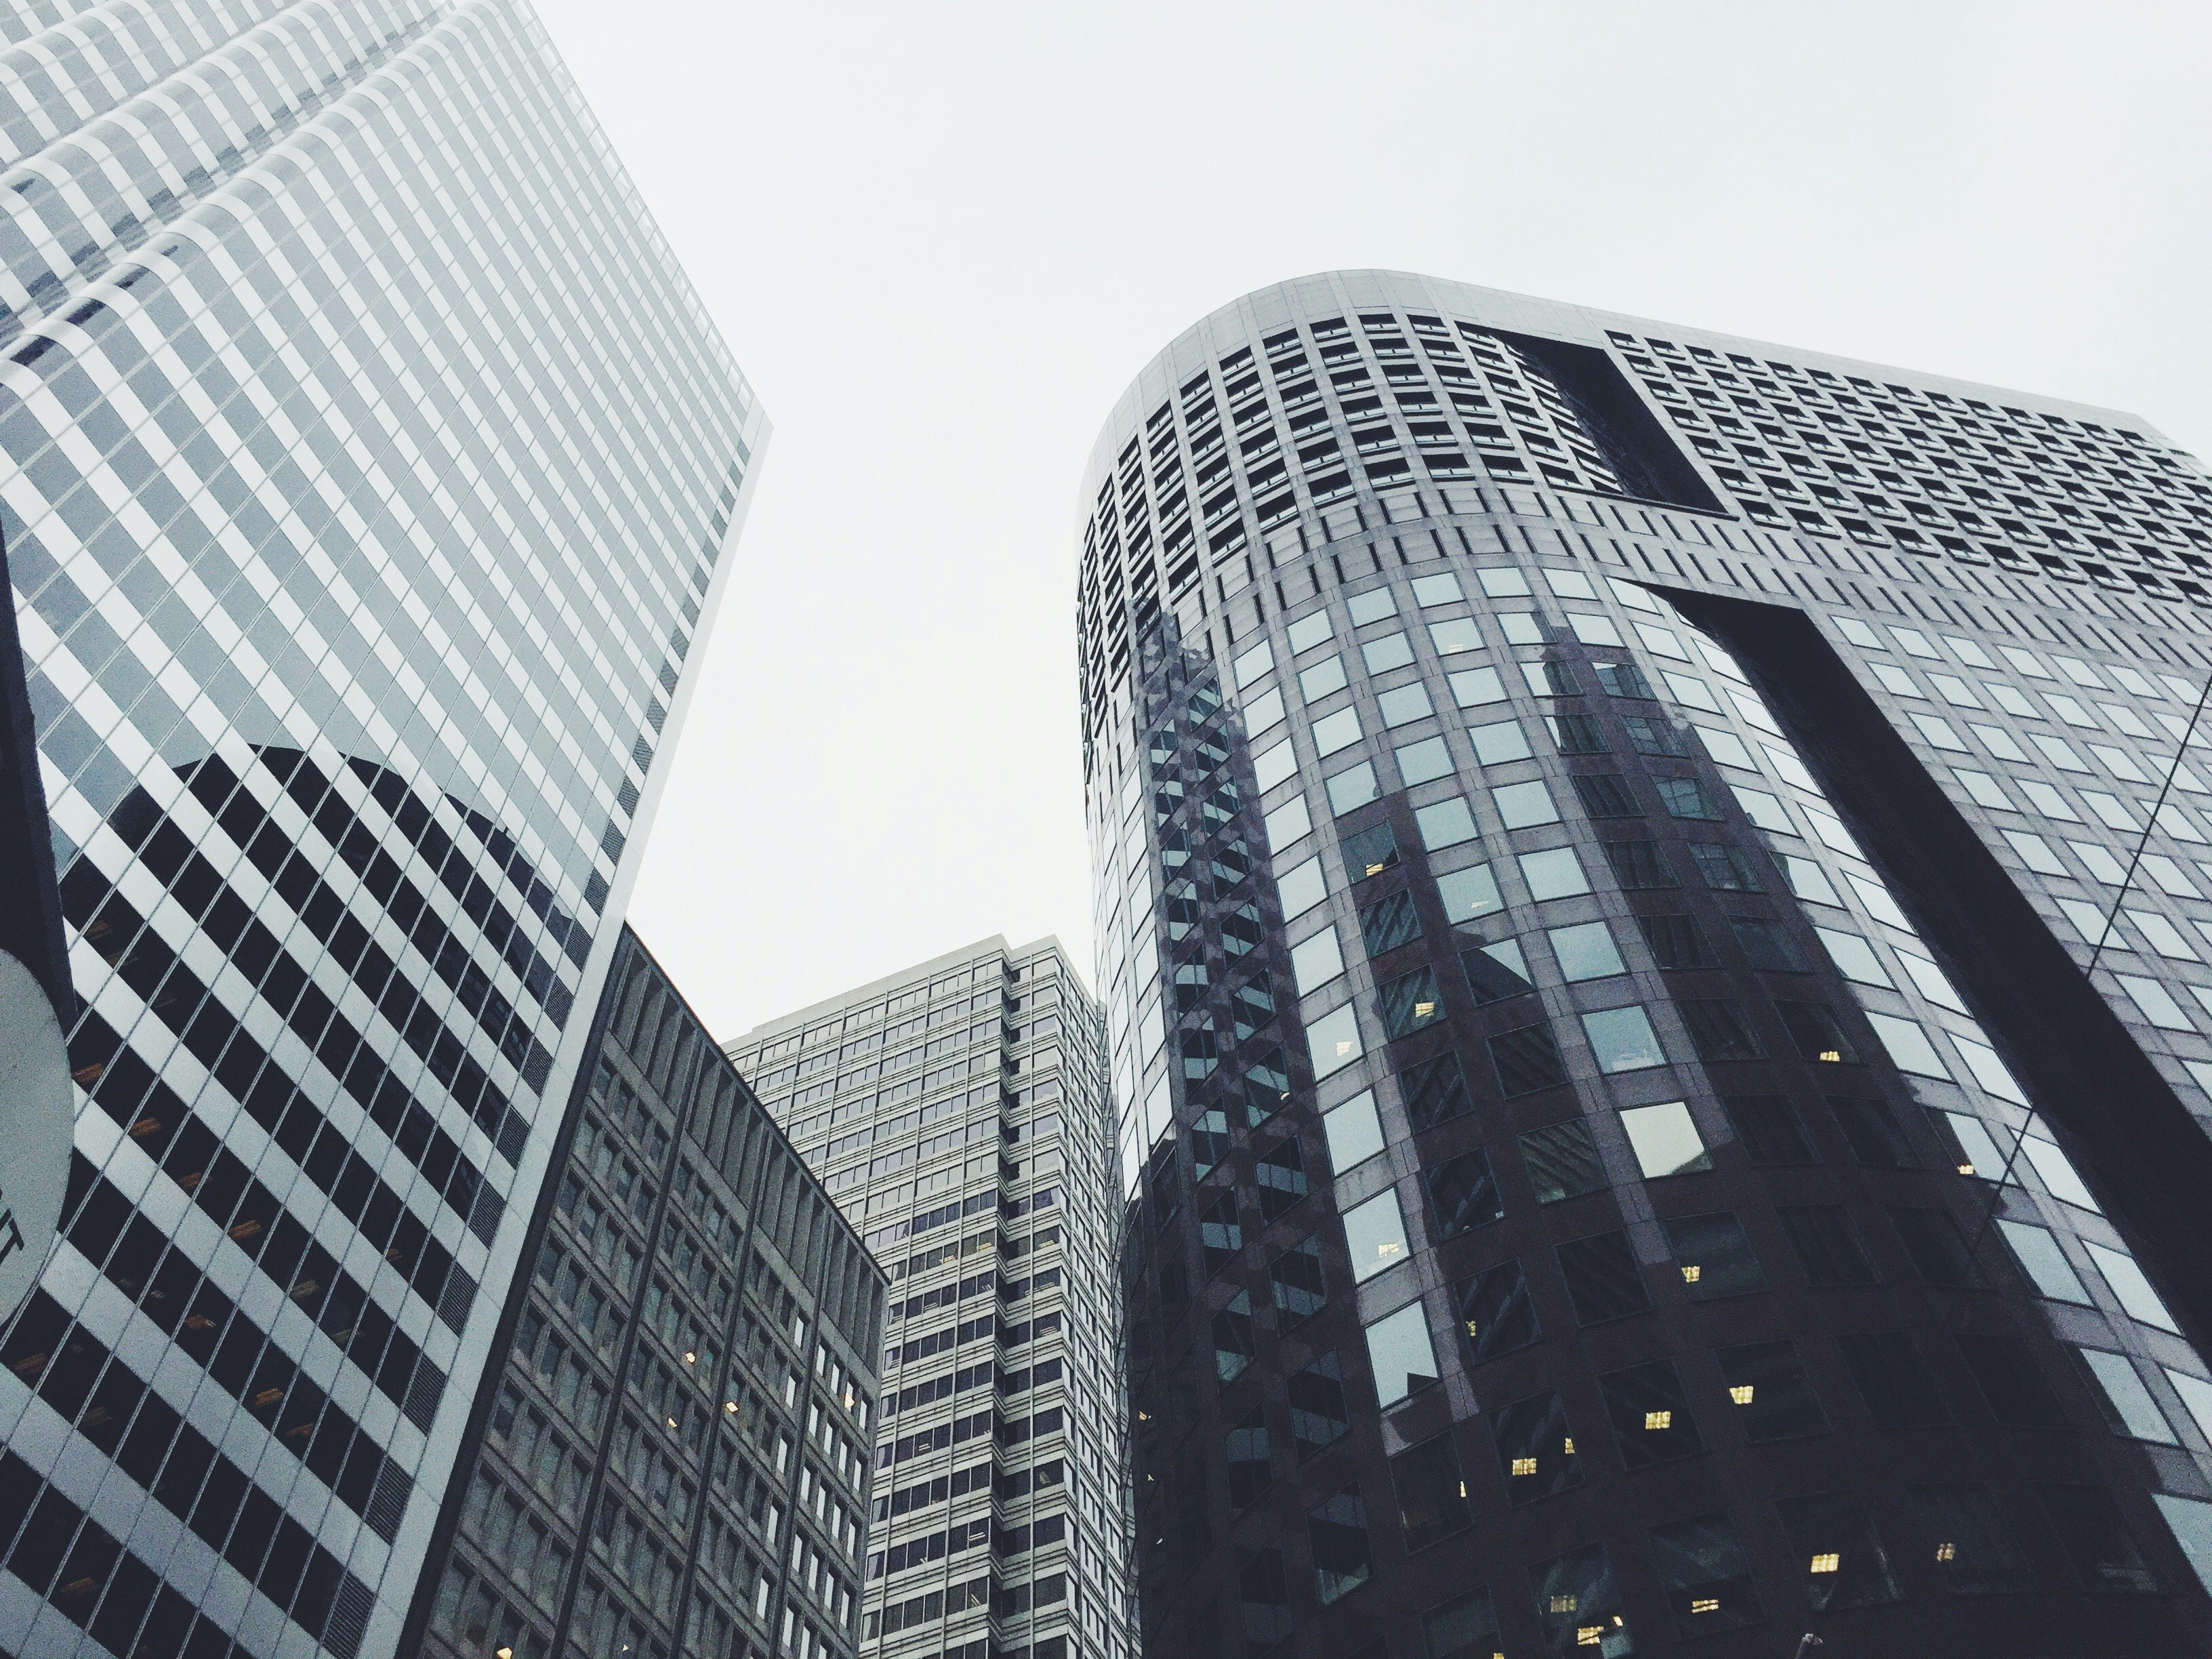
pixel 1966 1168
pixel 1947 1551
pixel 1423 1009
pixel 1741 1393
pixel 1704 1604
pixel 1827 1561
pixel 1524 1465
pixel 1568 1445
pixel 1833 1056
pixel 1587 1636
pixel 1564 1604
pixel 1658 1419
pixel 1691 1273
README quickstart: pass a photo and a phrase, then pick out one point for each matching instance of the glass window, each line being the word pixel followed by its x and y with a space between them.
pixel 1465 1627
pixel 1525 806
pixel 2196 1396
pixel 1727 748
pixel 1409 1003
pixel 1308 632
pixel 1464 1194
pixel 1323 679
pixel 1578 1605
pixel 1221 1232
pixel 1445 824
pixel 1767 945
pixel 1503 582
pixel 1773 1397
pixel 1375 1234
pixel 1706 1575
pixel 1246 1447
pixel 1555 873
pixel 2131 1287
pixel 1686 798
pixel 1334 731
pixel 1317 960
pixel 1527 1060
pixel 2018 1394
pixel 1404 704
pixel 1423 762
pixel 1337 1529
pixel 1233 1346
pixel 1279 1172
pixel 1354 1130
pixel 1676 942
pixel 2058 1173
pixel 1250 665
pixel 1499 742
pixel 1267 1601
pixel 1894 1380
pixel 1562 1161
pixel 1827 1245
pixel 1622 1040
pixel 1715 1255
pixel 2191 1523
pixel 1577 734
pixel 1271 766
pixel 1814 1033
pixel 1771 1132
pixel 1638 865
pixel 1390 922
pixel 1476 688
pixel 1371 606
pixel 1838 1552
pixel 1453 636
pixel 1371 852
pixel 1495 1312
pixel 1320 1414
pixel 1302 888
pixel 1287 824
pixel 1469 894
pixel 1434 1090
pixel 1403 1357
pixel 1719 1030
pixel 1333 1041
pixel 1496 972
pixel 1263 711
pixel 1938 1248
pixel 1431 1492
pixel 2042 1259
pixel 1586 951
pixel 1536 1447
pixel 1604 1280
pixel 1354 788
pixel 1649 1412
pixel 1606 795
pixel 1665 1139
pixel 1966 1533
pixel 1724 867
pixel 1440 589
pixel 1390 651
pixel 2124 1399
pixel 2097 1540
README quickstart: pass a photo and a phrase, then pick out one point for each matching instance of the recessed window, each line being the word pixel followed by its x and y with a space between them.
pixel 1233 1345
pixel 1352 788
pixel 1536 1447
pixel 1476 688
pixel 1839 1553
pixel 1403 1357
pixel 1665 1139
pixel 1372 606
pixel 1725 868
pixel 1353 1131
pixel 1894 1380
pixel 1337 1529
pixel 1375 1234
pixel 1496 972
pixel 2097 1540
pixel 1579 1603
pixel 1964 1534
pixel 1773 1397
pixel 1423 762
pixel 2019 1396
pixel 1938 1249
pixel 1440 589
pixel 1431 1490
pixel 1499 742
pixel 1333 1041
pixel 1410 1003
pixel 1469 894
pixel 1371 852
pixel 1323 679
pixel 2130 1286
pixel 1555 873
pixel 1445 824
pixel 1622 1039
pixel 1586 951
pixel 1495 1312
pixel 1772 1133
pixel 1308 632
pixel 1464 1194
pixel 1706 1575
pixel 1676 942
pixel 1320 1414
pixel 1604 1280
pixel 1814 1033
pixel 1465 1627
pixel 1827 1245
pixel 1405 704
pixel 1525 806
pixel 1714 1255
pixel 1562 1161
pixel 1719 1029
pixel 2126 1399
pixel 1527 1060
pixel 1640 864
pixel 1649 1412
pixel 1435 1092
pixel 1315 961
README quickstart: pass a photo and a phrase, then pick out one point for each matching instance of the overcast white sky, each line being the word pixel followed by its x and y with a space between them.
pixel 941 239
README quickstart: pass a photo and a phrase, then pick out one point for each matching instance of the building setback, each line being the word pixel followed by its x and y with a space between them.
pixel 1653 933
pixel 957 1112
pixel 689 1381
pixel 367 468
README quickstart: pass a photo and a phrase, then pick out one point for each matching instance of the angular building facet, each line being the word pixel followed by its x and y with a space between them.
pixel 957 1112
pixel 1653 915
pixel 367 470
pixel 670 1451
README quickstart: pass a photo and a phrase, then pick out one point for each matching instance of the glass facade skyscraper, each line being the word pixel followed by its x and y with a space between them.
pixel 368 470
pixel 1652 893
pixel 957 1112
pixel 670 1455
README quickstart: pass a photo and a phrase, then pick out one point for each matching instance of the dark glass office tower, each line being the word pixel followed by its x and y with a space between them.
pixel 671 1456
pixel 957 1112
pixel 366 472
pixel 1654 924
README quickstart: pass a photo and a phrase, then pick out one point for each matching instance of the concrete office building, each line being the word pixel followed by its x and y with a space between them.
pixel 958 1113
pixel 671 1454
pixel 1654 921
pixel 369 470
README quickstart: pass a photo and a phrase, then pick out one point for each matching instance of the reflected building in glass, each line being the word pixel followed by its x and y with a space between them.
pixel 958 1113
pixel 369 470
pixel 1653 902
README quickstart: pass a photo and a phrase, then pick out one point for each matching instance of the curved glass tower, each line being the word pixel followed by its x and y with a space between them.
pixel 1655 944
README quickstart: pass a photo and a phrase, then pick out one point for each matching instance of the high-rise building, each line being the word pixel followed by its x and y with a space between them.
pixel 1653 918
pixel 369 468
pixel 670 1454
pixel 957 1112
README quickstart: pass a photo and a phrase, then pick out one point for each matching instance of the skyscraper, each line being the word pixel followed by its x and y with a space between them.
pixel 369 469
pixel 957 1112
pixel 1653 921
pixel 671 1452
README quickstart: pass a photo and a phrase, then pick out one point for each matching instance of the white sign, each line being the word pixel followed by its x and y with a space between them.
pixel 37 1111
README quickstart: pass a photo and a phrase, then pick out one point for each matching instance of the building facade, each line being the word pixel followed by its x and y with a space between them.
pixel 369 467
pixel 957 1112
pixel 1653 916
pixel 671 1452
